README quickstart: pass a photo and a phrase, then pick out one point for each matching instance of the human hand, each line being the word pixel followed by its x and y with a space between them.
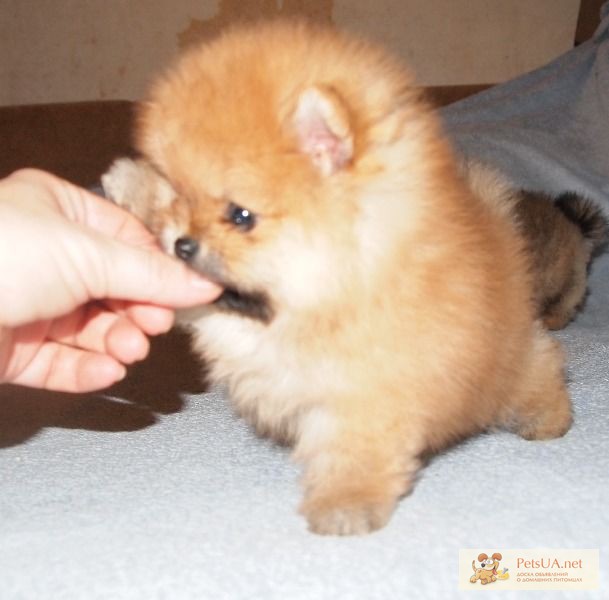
pixel 82 285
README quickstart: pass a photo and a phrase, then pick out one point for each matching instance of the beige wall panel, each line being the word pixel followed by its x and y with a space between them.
pixel 66 50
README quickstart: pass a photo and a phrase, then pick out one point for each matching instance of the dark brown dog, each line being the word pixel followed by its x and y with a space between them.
pixel 562 235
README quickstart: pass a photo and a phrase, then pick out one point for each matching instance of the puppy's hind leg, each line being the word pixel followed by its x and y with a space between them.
pixel 542 409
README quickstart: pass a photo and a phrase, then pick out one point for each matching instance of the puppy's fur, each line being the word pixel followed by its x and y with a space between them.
pixel 562 235
pixel 399 302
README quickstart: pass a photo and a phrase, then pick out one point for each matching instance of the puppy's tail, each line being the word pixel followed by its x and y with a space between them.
pixel 587 216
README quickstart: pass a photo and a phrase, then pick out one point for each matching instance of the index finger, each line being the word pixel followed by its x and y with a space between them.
pixel 106 217
pixel 86 208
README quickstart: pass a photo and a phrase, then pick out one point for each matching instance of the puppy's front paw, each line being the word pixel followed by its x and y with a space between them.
pixel 121 180
pixel 346 514
pixel 137 187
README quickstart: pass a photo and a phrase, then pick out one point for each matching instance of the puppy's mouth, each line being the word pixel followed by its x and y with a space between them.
pixel 254 305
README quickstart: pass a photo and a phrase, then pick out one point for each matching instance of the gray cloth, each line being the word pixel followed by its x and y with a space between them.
pixel 158 491
pixel 547 130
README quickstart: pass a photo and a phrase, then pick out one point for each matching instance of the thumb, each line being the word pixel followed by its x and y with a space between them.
pixel 147 275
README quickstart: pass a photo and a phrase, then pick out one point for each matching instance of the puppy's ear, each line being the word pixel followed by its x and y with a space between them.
pixel 482 557
pixel 496 556
pixel 323 128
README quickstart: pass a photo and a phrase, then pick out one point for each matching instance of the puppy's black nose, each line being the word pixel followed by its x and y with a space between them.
pixel 186 248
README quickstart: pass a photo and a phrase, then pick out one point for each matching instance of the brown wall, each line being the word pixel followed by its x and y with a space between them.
pixel 65 50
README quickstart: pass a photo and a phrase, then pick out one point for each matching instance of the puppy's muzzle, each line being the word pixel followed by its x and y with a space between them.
pixel 251 304
pixel 186 248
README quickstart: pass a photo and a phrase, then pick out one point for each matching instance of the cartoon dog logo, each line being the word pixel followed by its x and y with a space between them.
pixel 487 571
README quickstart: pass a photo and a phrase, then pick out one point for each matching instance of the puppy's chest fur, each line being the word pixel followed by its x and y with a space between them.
pixel 271 380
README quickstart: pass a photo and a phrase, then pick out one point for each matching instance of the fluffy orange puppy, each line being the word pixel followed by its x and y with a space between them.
pixel 375 309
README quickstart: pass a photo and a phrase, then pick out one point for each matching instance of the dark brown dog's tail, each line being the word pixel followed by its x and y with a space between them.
pixel 588 216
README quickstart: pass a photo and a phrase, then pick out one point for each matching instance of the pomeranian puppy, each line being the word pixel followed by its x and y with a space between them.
pixel 375 308
pixel 562 235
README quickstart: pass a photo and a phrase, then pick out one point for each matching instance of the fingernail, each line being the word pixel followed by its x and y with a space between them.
pixel 204 285
pixel 119 372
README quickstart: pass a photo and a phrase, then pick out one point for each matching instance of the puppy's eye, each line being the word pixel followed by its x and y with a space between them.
pixel 240 217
